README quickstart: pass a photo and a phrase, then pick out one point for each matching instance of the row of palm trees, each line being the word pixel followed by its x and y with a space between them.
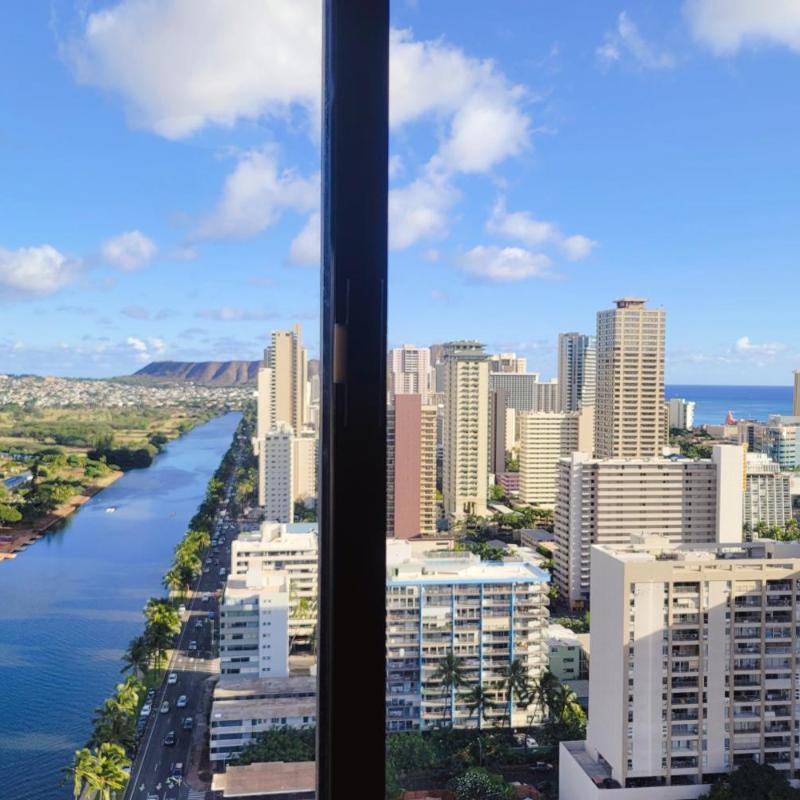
pixel 188 562
pixel 100 770
pixel 556 703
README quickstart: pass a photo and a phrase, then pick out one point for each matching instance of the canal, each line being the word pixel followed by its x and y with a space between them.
pixel 73 600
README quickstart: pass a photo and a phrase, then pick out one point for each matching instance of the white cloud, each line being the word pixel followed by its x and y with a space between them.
pixel 726 26
pixel 255 195
pixel 180 65
pixel 305 247
pixel 505 264
pixel 35 270
pixel 484 109
pixel 627 39
pixel 420 210
pixel 744 346
pixel 228 314
pixel 524 227
pixel 146 349
pixel 129 251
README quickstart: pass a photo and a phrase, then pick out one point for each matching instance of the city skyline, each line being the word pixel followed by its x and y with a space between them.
pixel 124 190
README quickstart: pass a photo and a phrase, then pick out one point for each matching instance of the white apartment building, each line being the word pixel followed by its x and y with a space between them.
pixel 278 474
pixel 243 708
pixel 546 438
pixel 680 413
pixel 409 371
pixel 291 549
pixel 486 613
pixel 629 402
pixel 607 501
pixel 577 370
pixel 288 361
pixel 465 473
pixel 768 493
pixel 694 669
pixel 254 625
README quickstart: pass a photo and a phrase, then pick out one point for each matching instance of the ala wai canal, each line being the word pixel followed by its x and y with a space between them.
pixel 73 600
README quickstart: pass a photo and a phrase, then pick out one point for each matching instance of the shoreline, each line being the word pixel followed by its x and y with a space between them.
pixel 16 540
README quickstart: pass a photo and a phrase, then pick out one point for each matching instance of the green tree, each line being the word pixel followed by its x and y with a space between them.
pixel 754 782
pixel 450 675
pixel 516 686
pixel 9 513
pixel 479 701
pixel 280 744
pixel 479 784
pixel 137 657
pixel 100 773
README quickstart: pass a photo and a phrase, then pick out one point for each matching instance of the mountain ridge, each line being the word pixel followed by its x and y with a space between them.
pixel 209 373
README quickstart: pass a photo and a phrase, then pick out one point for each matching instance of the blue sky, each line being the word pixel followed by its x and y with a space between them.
pixel 160 164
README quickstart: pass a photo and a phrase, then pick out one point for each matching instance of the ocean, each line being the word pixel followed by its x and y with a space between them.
pixel 745 402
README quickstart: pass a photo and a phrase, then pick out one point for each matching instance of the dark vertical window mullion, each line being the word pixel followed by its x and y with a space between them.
pixel 352 501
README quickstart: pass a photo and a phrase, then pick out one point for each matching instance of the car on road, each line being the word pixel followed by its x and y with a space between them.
pixel 188 723
pixel 181 609
pixel 211 615
pixel 193 645
pixel 172 678
pixel 170 739
pixel 206 570
pixel 164 707
pixel 176 769
pixel 199 624
pixel 204 598
pixel 222 572
pixel 182 701
pixel 146 709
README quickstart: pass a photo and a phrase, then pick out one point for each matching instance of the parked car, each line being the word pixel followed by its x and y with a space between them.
pixel 146 709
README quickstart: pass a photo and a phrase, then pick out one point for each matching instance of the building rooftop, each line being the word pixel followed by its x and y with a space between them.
pixel 463 567
pixel 272 777
pixel 630 302
pixel 260 708
pixel 237 688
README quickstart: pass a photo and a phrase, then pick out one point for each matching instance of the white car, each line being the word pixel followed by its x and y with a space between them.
pixel 193 645
pixel 165 707
pixel 146 709
pixel 182 701
pixel 172 678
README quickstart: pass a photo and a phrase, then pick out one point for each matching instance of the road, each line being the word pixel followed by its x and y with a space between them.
pixel 152 775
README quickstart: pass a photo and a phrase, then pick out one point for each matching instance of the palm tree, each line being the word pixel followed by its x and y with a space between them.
pixel 449 674
pixel 128 693
pixel 102 772
pixel 136 657
pixel 479 701
pixel 544 693
pixel 517 686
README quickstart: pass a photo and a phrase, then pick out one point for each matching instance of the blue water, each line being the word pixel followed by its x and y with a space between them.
pixel 72 601
pixel 746 402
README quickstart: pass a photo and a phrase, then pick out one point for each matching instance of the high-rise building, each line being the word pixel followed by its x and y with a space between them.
pixel 465 473
pixel 292 549
pixel 278 474
pixel 768 493
pixel 288 362
pixel 304 466
pixel 781 441
pixel 577 369
pixel 254 625
pixel 546 438
pixel 681 413
pixel 498 436
pixel 488 614
pixel 410 467
pixel 507 362
pixel 264 423
pixel 607 501
pixel 693 669
pixel 409 371
pixel 526 392
pixel 629 403
pixel 796 397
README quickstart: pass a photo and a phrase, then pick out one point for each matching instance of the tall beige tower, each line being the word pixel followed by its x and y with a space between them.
pixel 796 403
pixel 465 473
pixel 288 362
pixel 629 402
